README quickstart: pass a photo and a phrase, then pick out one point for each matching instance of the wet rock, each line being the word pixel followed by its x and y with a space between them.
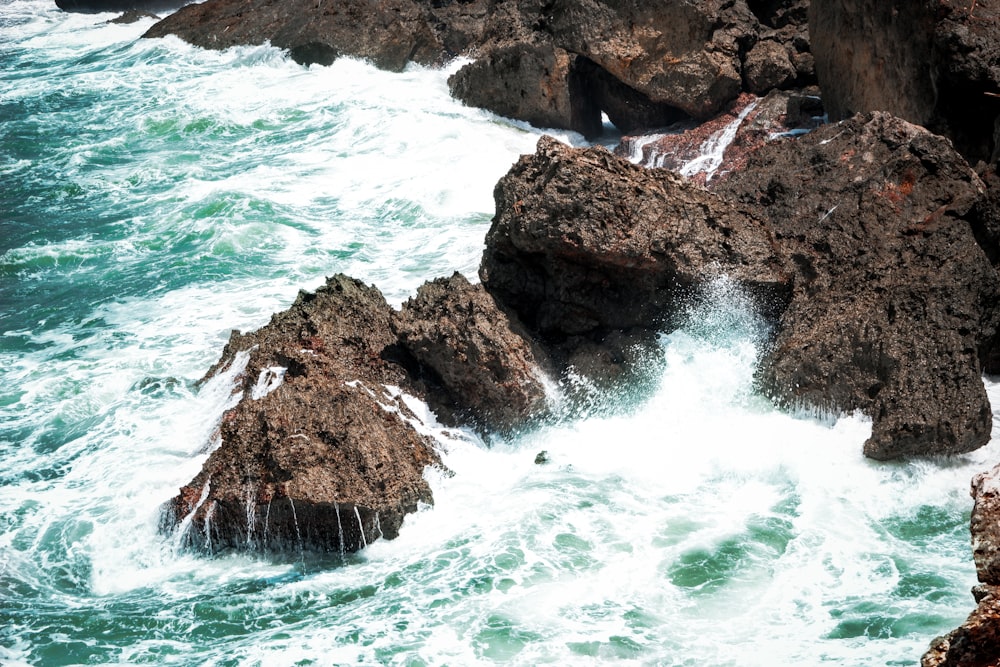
pixel 977 641
pixel 319 454
pixel 932 63
pixel 390 34
pixel 706 150
pixel 487 364
pixel 585 244
pixel 894 302
pixel 133 16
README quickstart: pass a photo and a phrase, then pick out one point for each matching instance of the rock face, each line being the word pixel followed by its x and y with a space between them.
pixel 489 368
pixel 935 63
pixel 559 63
pixel 321 454
pixel 586 246
pixel 976 643
pixel 391 33
pixel 894 302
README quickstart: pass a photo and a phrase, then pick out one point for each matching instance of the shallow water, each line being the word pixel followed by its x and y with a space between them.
pixel 156 196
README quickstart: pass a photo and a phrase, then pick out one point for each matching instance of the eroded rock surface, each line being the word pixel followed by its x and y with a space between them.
pixel 934 63
pixel 894 302
pixel 322 453
pixel 587 247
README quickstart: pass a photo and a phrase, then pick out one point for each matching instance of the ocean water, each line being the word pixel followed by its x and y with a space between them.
pixel 154 196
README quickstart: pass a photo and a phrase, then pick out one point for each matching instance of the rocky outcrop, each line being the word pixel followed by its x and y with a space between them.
pixel 482 357
pixel 321 453
pixel 391 33
pixel 588 248
pixel 554 64
pixel 976 643
pixel 934 63
pixel 894 302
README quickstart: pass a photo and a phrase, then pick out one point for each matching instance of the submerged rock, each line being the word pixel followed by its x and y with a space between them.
pixel 894 303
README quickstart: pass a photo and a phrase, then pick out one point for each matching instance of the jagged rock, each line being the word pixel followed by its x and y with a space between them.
pixel 766 66
pixel 585 245
pixel 481 355
pixel 976 643
pixel 894 302
pixel 391 33
pixel 318 454
pixel 932 62
pixel 536 83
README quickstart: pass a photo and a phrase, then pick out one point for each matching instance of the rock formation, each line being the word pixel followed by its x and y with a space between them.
pixel 894 302
pixel 555 64
pixel 321 453
pixel 976 643
pixel 933 62
pixel 587 247
pixel 488 366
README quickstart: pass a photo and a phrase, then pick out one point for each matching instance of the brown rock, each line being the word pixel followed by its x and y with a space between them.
pixel 585 244
pixel 323 458
pixel 935 63
pixel 481 355
pixel 894 302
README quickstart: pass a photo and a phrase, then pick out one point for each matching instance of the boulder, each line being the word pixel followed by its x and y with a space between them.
pixel 894 303
pixel 486 363
pixel 319 454
pixel 322 452
pixel 976 643
pixel 586 246
pixel 934 63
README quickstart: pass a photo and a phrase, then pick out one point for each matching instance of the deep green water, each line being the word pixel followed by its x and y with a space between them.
pixel 154 196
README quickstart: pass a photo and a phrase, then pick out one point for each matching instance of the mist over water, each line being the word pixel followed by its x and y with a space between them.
pixel 154 196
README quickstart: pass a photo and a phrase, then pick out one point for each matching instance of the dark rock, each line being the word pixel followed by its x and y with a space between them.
pixel 539 84
pixel 541 457
pixel 976 643
pixel 317 455
pixel 128 7
pixel 482 356
pixel 585 244
pixel 133 16
pixel 768 65
pixel 894 301
pixel 390 34
pixel 935 63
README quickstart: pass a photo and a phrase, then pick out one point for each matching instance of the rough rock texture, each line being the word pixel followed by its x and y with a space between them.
pixel 976 643
pixel 390 33
pixel 586 245
pixel 703 151
pixel 324 460
pixel 894 302
pixel 557 63
pixel 932 62
pixel 486 362
pixel 322 453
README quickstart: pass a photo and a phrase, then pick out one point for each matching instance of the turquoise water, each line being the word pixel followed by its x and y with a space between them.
pixel 154 196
